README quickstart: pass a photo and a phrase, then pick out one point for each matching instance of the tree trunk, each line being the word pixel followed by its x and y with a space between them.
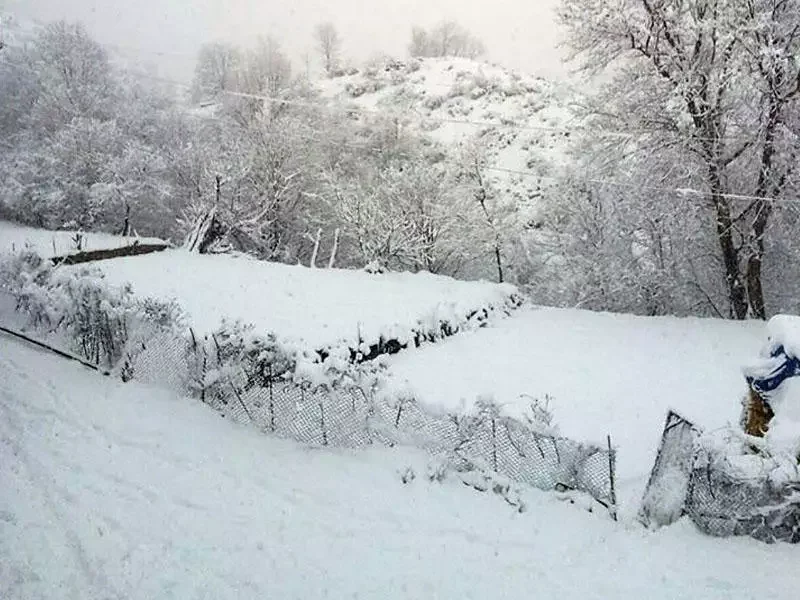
pixel 737 296
pixel 499 260
pixel 763 210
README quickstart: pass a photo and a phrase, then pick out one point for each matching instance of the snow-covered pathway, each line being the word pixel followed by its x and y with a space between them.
pixel 122 491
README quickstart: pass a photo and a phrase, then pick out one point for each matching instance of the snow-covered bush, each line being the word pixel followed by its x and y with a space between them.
pixel 235 359
pixel 106 325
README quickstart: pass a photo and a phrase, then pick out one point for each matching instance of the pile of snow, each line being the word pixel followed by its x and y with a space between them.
pixel 121 491
pixel 780 361
pixel 48 244
pixel 316 308
pixel 521 120
pixel 605 373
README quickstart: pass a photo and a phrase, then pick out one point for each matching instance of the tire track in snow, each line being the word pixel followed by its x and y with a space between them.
pixel 13 432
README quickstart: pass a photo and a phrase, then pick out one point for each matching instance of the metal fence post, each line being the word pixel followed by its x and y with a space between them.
pixel 612 463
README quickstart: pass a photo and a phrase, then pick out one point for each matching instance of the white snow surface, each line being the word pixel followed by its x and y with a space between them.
pixel 606 373
pixel 111 490
pixel 784 330
pixel 314 308
pixel 47 243
pixel 522 121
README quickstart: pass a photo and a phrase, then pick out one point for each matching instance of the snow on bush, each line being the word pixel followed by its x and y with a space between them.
pixel 235 359
pixel 318 309
pixel 106 325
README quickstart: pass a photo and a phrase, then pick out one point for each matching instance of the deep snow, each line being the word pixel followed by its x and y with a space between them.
pixel 606 373
pixel 47 243
pixel 314 307
pixel 110 490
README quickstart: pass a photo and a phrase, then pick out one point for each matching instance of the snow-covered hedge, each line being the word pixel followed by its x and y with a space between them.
pixel 106 325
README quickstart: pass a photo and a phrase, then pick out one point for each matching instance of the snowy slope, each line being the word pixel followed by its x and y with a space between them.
pixel 314 307
pixel 520 119
pixel 47 243
pixel 607 374
pixel 115 491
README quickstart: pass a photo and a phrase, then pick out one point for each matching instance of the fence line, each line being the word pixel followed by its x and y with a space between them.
pixel 258 384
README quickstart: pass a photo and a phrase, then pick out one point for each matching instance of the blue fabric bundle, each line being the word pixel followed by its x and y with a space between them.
pixel 774 371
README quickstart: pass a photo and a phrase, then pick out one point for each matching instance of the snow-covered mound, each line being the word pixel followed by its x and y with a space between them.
pixel 519 119
pixel 111 490
pixel 316 308
pixel 776 376
pixel 606 373
pixel 48 244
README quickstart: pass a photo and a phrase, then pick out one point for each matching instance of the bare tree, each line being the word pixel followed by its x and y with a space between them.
pixel 219 69
pixel 268 70
pixel 329 45
pixel 719 79
pixel 448 38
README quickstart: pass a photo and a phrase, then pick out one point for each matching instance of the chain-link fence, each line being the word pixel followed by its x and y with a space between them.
pixel 351 416
pixel 665 494
pixel 689 479
pixel 723 504
pixel 258 383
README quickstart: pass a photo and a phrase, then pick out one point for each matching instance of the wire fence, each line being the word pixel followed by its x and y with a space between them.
pixel 351 415
pixel 723 504
pixel 703 484
pixel 257 384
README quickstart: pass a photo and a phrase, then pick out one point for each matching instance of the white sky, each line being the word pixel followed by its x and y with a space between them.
pixel 520 34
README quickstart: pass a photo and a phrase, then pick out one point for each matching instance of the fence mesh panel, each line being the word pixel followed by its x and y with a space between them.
pixel 688 479
pixel 664 498
pixel 348 416
pixel 721 504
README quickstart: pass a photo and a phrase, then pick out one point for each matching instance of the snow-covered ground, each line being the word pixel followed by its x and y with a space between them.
pixel 111 490
pixel 317 307
pixel 606 373
pixel 47 243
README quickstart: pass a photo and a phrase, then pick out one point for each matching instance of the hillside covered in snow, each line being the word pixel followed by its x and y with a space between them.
pixel 520 123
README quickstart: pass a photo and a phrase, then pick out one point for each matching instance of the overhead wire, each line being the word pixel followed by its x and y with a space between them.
pixel 681 191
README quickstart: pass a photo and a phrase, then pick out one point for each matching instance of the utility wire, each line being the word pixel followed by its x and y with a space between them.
pixel 666 190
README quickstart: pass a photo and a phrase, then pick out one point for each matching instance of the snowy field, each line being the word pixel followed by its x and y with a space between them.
pixel 47 243
pixel 606 373
pixel 115 491
pixel 318 307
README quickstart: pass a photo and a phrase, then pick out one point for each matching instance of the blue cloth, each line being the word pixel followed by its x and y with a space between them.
pixel 782 367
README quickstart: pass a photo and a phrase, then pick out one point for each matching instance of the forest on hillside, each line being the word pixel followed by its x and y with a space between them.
pixel 677 195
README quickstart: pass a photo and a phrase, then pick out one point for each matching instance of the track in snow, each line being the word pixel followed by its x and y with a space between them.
pixel 122 491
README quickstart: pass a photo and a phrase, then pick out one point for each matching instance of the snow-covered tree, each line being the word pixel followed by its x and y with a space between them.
pixel 329 45
pixel 717 81
pixel 219 69
pixel 448 38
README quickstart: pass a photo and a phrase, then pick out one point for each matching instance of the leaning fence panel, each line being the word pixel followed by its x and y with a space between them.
pixel 665 495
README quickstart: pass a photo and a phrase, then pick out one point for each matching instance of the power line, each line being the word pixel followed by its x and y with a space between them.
pixel 651 188
pixel 565 131
pixel 529 174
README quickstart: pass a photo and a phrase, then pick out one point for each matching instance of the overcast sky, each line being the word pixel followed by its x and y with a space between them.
pixel 521 34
